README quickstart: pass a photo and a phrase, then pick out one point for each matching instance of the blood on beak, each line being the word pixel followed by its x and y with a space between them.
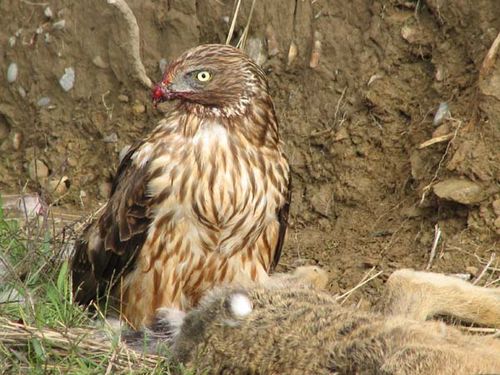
pixel 158 94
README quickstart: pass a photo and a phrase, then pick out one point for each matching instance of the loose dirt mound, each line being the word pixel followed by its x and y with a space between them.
pixel 365 192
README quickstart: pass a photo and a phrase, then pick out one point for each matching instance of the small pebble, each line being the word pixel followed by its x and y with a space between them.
pixel 496 207
pixel 112 138
pixel 72 162
pixel 21 91
pixel 12 73
pixel 17 140
pixel 59 25
pixel 47 12
pixel 460 190
pixel 439 76
pixel 99 62
pixel 39 30
pixel 68 79
pixel 38 170
pixel 18 33
pixel 123 98
pixel 138 108
pixel 316 51
pixel 225 19
pixel 162 64
pixel 105 189
pixel 12 41
pixel 292 53
pixel 341 134
pixel 43 102
pixel 47 38
pixel 496 223
pixel 410 34
pixel 442 114
pixel 59 186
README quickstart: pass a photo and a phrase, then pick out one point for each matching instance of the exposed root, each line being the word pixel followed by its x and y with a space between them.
pixel 490 58
pixel 133 41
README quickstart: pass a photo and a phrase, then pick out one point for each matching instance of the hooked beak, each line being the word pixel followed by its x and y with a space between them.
pixel 162 92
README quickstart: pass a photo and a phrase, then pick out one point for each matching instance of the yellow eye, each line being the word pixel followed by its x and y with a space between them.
pixel 203 76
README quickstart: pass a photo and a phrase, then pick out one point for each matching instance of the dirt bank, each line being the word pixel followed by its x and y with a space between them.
pixel 367 190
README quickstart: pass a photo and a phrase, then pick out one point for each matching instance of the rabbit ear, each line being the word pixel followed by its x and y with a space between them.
pixel 240 305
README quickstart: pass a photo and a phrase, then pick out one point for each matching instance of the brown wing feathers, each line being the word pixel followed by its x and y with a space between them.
pixel 121 232
pixel 283 220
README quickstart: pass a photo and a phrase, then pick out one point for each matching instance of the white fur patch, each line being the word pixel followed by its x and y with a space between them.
pixel 174 318
pixel 241 305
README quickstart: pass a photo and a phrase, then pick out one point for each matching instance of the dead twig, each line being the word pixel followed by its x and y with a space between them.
pixel 486 267
pixel 430 142
pixel 427 188
pixel 490 58
pixel 437 236
pixel 342 298
pixel 133 42
pixel 233 22
pixel 244 35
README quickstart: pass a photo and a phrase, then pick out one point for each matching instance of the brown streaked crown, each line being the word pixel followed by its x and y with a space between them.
pixel 233 80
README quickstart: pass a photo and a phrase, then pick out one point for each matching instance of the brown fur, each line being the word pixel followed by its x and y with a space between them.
pixel 296 329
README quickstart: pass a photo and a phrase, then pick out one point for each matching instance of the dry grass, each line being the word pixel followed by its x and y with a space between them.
pixel 71 349
pixel 41 329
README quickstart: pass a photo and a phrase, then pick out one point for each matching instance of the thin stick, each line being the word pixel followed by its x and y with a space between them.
pixel 492 282
pixel 430 142
pixel 133 42
pixel 346 294
pixel 437 236
pixel 492 259
pixel 426 189
pixel 339 102
pixel 243 39
pixel 233 22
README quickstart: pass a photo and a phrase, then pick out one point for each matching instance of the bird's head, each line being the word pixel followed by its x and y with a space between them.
pixel 212 77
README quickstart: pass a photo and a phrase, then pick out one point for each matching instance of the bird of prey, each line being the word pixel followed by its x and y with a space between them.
pixel 202 200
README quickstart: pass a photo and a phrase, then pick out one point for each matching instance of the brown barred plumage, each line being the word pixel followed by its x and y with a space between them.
pixel 202 200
